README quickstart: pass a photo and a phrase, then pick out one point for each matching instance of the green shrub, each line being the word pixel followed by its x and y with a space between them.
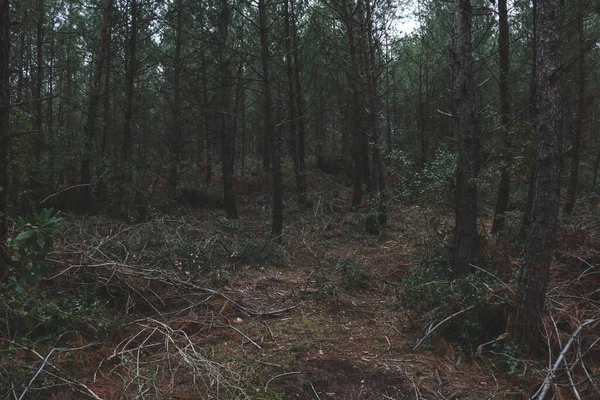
pixel 434 182
pixel 354 274
pixel 32 247
pixel 431 288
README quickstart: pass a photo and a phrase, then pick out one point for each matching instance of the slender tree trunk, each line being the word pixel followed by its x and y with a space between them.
pixel 50 103
pixel 39 81
pixel 468 141
pixel 505 111
pixel 577 113
pixel 4 133
pixel 206 121
pixel 359 146
pixel 227 132
pixel 293 114
pixel 533 277
pixel 533 114
pixel 300 108
pixel 175 148
pixel 275 142
pixel 130 74
pixel 90 124
pixel 106 105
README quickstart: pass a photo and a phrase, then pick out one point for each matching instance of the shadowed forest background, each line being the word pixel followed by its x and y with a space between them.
pixel 232 199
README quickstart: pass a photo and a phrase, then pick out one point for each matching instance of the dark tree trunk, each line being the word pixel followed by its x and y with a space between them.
pixel 90 124
pixel 300 108
pixel 468 141
pixel 578 112
pixel 130 74
pixel 275 138
pixel 292 106
pixel 505 111
pixel 359 147
pixel 4 133
pixel 533 114
pixel 227 133
pixel 533 277
pixel 106 106
pixel 39 81
pixel 50 103
pixel 175 148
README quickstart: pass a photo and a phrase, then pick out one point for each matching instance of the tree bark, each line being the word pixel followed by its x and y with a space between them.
pixel 578 111
pixel 227 133
pixel 300 111
pixel 130 74
pixel 4 133
pixel 39 81
pixel 90 124
pixel 468 141
pixel 533 277
pixel 533 115
pixel 275 138
pixel 505 111
pixel 175 142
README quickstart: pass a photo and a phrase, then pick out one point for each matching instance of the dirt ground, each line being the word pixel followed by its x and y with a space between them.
pixel 319 317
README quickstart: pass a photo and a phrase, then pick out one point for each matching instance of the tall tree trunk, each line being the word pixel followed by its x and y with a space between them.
pixel 90 124
pixel 50 103
pixel 289 68
pixel 275 138
pixel 4 132
pixel 227 132
pixel 359 147
pixel 106 105
pixel 505 111
pixel 468 141
pixel 578 111
pixel 130 74
pixel 39 81
pixel 175 148
pixel 533 114
pixel 300 110
pixel 533 277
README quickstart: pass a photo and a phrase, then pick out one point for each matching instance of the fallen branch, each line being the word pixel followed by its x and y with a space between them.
pixel 543 390
pixel 279 376
pixel 431 330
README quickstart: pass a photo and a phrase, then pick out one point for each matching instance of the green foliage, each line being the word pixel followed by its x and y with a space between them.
pixel 431 287
pixel 49 313
pixel 354 273
pixel 32 246
pixel 511 359
pixel 433 183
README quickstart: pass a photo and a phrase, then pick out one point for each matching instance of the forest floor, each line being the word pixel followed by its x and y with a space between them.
pixel 195 306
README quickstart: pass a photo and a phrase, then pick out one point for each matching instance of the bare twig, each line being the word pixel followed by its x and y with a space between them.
pixel 549 377
pixel 279 376
pixel 431 330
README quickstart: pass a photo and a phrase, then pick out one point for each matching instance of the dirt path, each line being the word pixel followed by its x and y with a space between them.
pixel 347 337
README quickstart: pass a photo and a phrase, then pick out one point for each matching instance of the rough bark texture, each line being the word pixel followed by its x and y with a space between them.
pixel 4 132
pixel 90 124
pixel 271 132
pixel 533 115
pixel 227 136
pixel 176 106
pixel 292 105
pixel 578 111
pixel 130 73
pixel 468 141
pixel 505 110
pixel 533 277
pixel 300 107
pixel 39 81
